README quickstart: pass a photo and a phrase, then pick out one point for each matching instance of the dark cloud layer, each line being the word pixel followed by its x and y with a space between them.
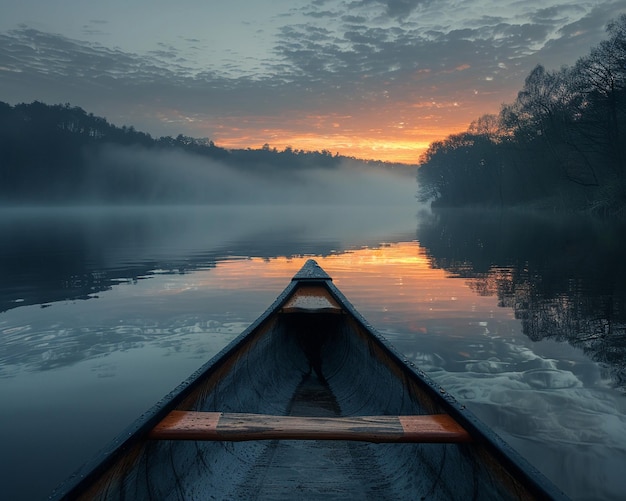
pixel 330 55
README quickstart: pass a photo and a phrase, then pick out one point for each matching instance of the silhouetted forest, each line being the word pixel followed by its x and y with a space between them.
pixel 560 145
pixel 55 154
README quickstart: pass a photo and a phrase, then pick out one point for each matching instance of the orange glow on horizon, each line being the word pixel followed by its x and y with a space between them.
pixel 392 150
pixel 388 131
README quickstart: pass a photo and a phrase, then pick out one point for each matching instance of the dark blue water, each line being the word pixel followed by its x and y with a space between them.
pixel 105 311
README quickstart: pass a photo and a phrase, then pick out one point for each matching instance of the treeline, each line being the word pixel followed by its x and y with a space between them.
pixel 47 153
pixel 561 144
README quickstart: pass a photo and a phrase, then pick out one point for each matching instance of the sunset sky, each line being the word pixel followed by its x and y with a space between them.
pixel 369 78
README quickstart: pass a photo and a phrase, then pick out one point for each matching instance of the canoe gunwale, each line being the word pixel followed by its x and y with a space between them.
pixel 481 435
pixel 139 430
pixel 311 274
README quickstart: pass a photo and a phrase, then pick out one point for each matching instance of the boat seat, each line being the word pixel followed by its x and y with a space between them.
pixel 191 425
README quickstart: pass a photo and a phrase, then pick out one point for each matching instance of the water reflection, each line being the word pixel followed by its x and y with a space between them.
pixel 68 254
pixel 52 255
pixel 483 303
pixel 565 277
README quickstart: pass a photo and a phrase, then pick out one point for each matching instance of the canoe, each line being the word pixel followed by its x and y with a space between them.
pixel 312 402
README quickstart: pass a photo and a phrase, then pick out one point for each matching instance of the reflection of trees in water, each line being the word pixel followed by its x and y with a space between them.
pixel 74 255
pixel 564 277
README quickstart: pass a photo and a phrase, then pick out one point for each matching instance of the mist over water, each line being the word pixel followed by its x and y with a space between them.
pixel 192 250
pixel 136 173
pixel 105 309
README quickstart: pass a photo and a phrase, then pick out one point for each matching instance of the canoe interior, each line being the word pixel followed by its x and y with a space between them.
pixel 298 363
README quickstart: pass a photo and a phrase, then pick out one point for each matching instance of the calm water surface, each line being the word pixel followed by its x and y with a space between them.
pixel 104 311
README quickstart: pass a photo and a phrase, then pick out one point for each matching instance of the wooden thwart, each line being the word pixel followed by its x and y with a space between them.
pixel 188 425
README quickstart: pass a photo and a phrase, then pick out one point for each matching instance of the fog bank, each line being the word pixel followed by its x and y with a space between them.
pixel 155 176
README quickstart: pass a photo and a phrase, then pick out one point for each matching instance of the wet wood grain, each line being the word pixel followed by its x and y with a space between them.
pixel 188 425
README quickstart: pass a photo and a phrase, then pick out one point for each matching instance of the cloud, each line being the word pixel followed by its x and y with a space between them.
pixel 369 59
pixel 341 44
pixel 396 8
pixel 579 34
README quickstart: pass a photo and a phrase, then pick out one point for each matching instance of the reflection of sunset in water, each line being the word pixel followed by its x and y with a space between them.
pixel 413 290
pixel 169 289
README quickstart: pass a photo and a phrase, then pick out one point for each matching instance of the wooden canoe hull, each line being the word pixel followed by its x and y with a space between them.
pixel 313 362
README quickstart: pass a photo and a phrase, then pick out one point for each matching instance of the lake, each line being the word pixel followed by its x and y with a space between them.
pixel 105 310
